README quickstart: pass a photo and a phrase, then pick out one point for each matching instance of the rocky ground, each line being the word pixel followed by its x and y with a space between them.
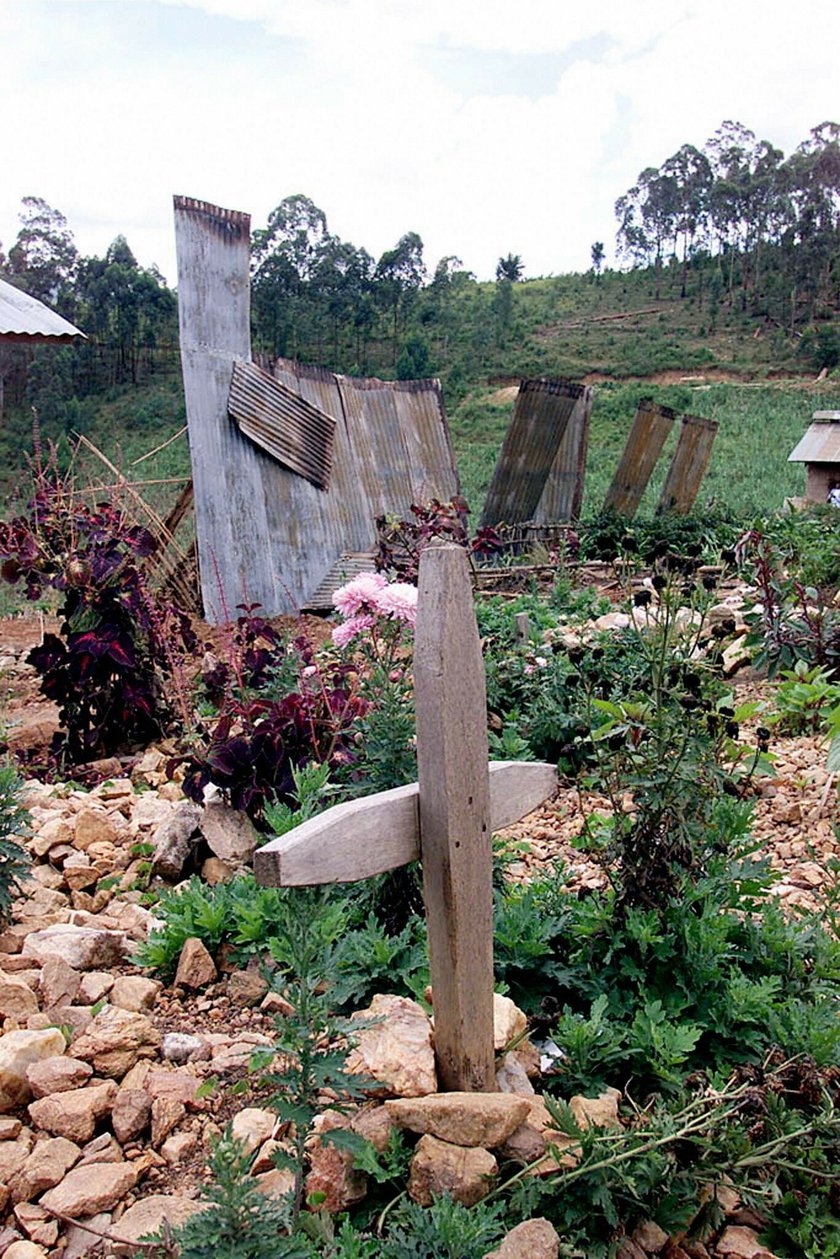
pixel 795 818
pixel 112 1085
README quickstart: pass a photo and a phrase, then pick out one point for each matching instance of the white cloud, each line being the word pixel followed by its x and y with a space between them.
pixel 110 109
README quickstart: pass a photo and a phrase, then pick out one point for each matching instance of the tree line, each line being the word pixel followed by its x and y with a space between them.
pixel 315 298
pixel 733 223
pixel 770 224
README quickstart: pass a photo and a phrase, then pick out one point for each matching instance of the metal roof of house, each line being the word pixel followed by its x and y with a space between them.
pixel 25 319
pixel 821 443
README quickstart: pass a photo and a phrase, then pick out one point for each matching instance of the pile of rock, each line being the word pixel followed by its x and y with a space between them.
pixel 724 621
pixel 103 1070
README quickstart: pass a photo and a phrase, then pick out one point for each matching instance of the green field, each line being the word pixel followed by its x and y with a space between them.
pixel 634 337
pixel 748 473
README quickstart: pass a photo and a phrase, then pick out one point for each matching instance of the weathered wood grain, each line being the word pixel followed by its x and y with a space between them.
pixel 361 838
pixel 689 464
pixel 455 828
pixel 651 427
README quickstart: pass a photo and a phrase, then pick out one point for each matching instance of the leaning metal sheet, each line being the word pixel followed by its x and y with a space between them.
pixel 391 449
pixel 541 415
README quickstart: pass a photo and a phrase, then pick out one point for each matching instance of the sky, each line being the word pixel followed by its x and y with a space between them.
pixel 487 126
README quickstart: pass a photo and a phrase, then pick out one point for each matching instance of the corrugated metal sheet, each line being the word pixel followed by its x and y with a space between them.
pixel 266 534
pixel 689 464
pixel 821 444
pixel 345 567
pixel 647 436
pixel 391 449
pixel 282 423
pixel 234 481
pixel 24 318
pixel 562 497
pixel 529 450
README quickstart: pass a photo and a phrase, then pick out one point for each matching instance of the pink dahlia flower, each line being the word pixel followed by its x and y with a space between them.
pixel 348 630
pixel 359 593
pixel 399 601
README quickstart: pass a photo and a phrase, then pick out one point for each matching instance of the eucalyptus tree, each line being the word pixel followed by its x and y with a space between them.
pixel 399 274
pixel 128 313
pixel 341 287
pixel 648 214
pixel 813 238
pixel 285 256
pixel 748 205
pixel 44 256
pixel 689 178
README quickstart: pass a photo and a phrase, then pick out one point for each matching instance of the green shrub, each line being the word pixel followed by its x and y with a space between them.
pixel 239 1222
pixel 14 861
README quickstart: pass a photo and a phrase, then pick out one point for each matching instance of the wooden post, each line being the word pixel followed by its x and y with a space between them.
pixel 522 632
pixel 447 820
pixel 454 806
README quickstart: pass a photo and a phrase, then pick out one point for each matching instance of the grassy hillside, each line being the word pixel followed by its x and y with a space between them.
pixel 748 473
pixel 740 370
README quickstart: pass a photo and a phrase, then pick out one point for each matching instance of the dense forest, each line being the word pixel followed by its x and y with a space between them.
pixel 732 237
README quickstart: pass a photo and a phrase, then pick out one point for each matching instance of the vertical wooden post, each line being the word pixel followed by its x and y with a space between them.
pixel 454 805
pixel 522 630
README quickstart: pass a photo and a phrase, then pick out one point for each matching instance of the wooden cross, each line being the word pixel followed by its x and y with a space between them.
pixel 446 821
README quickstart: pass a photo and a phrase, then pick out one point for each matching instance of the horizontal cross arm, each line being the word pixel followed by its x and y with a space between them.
pixel 368 836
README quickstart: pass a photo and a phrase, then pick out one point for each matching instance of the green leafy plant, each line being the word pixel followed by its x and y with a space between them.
pixel 795 622
pixel 239 912
pixel 805 699
pixel 665 754
pixel 446 1230
pixel 311 791
pixel 14 861
pixel 238 1221
pixel 310 1037
pixel 370 958
pixel 773 1131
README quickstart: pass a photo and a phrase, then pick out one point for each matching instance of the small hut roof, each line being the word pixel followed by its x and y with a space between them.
pixel 25 319
pixel 821 443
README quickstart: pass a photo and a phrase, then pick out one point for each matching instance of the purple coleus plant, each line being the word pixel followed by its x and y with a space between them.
pixel 258 742
pixel 107 667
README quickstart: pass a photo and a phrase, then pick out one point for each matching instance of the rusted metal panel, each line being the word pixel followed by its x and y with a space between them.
pixel 650 430
pixel 282 423
pixel 26 320
pixel 821 443
pixel 308 528
pixel 346 566
pixel 430 467
pixel 689 464
pixel 229 472
pixel 540 419
pixel 267 534
pixel 562 496
pixel 401 442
